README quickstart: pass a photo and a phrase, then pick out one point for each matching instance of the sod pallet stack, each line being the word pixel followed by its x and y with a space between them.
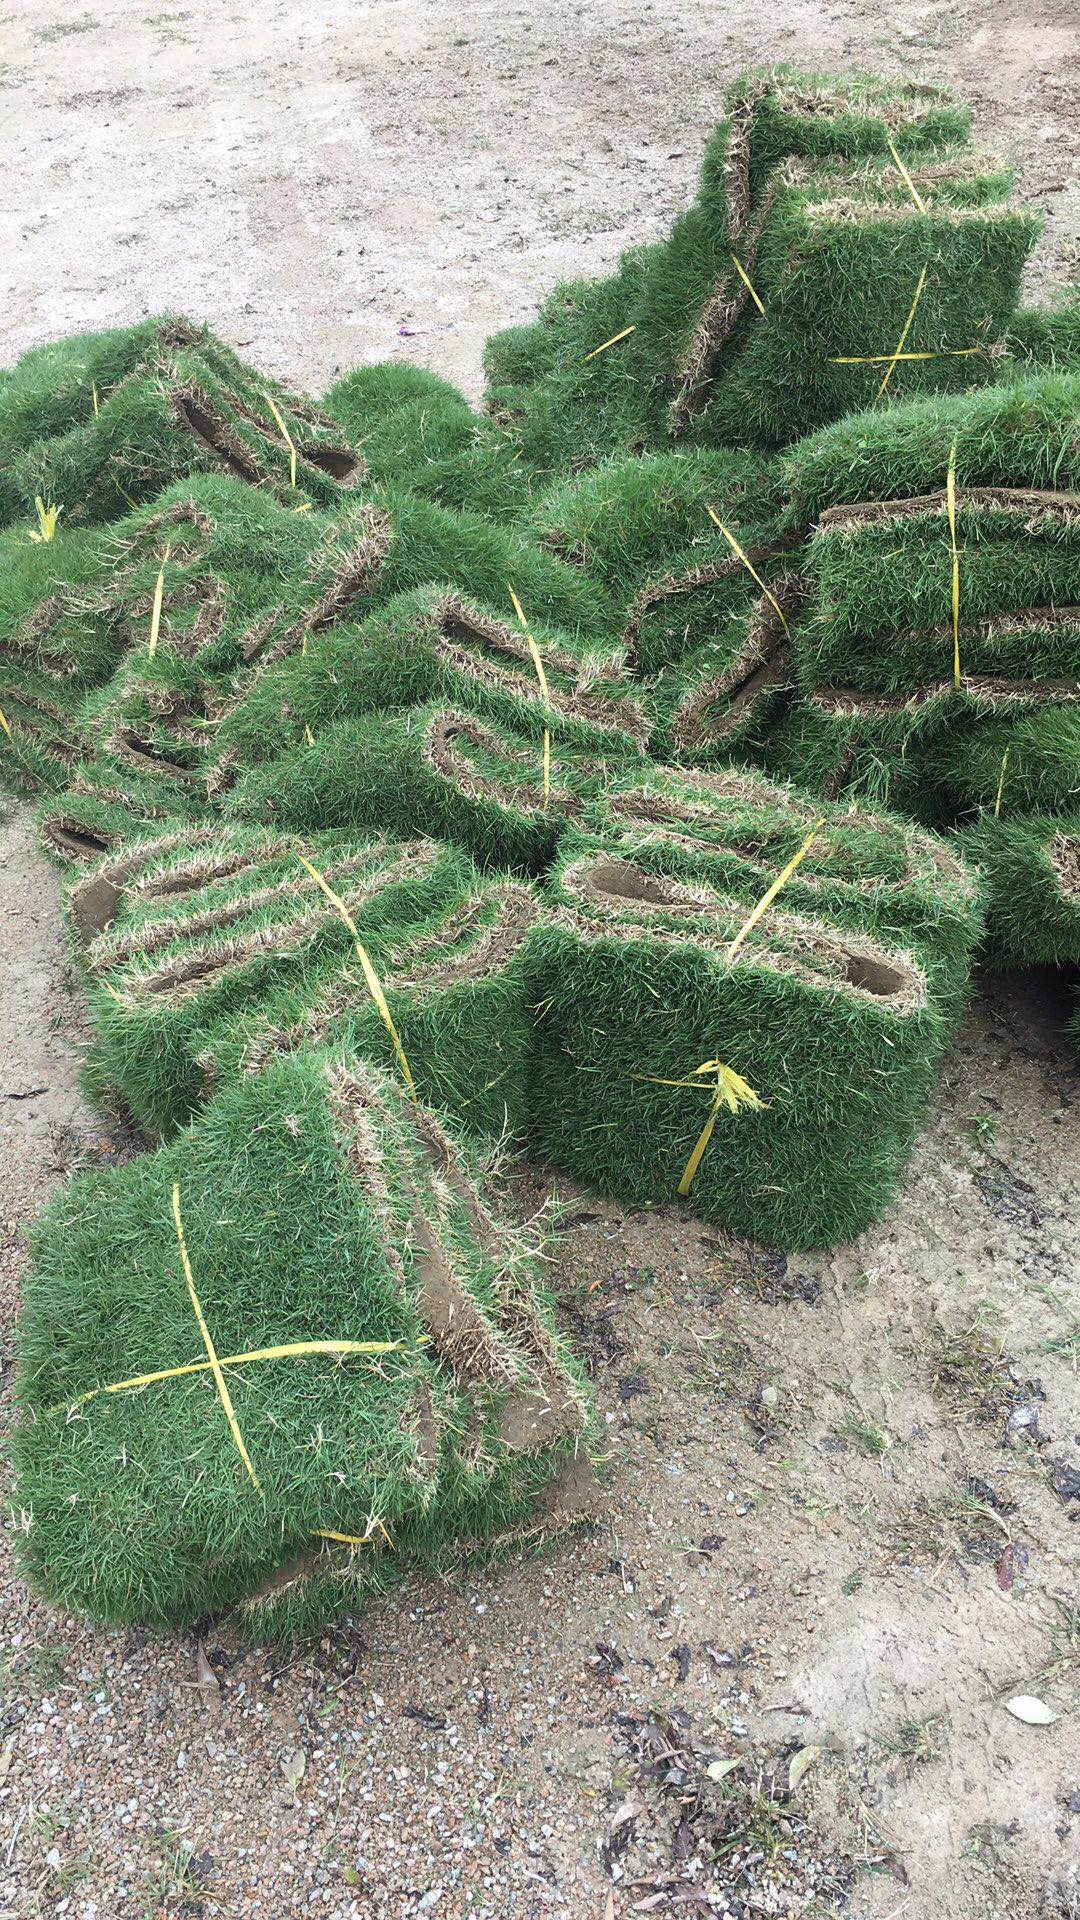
pixel 937 649
pixel 838 221
pixel 404 1399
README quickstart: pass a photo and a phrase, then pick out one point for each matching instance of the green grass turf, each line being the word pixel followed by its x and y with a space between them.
pixel 432 770
pixel 797 183
pixel 839 1033
pixel 416 430
pixel 1040 775
pixel 1048 336
pixel 188 405
pixel 456 986
pixel 1019 433
pixel 1030 867
pixel 210 929
pixel 435 644
pixel 318 1202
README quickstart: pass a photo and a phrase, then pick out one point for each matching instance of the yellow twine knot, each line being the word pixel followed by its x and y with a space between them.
pixel 728 1089
pixel 47 519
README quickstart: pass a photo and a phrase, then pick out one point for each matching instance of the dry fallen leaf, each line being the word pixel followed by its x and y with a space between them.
pixel 206 1679
pixel 719 1769
pixel 293 1767
pixel 1034 1713
pixel 6 1752
pixel 609 1906
pixel 801 1763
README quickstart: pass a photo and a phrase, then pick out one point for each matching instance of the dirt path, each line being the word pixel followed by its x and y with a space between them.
pixel 841 1512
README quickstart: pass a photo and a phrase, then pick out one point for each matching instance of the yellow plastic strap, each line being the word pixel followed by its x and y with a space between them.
pixel 371 978
pixel 1001 783
pixel 767 898
pixel 902 342
pixel 605 344
pixel 155 612
pixel 740 555
pixel 534 652
pixel 292 1350
pixel 950 500
pixel 728 1089
pixel 745 278
pixel 906 177
pixel 880 359
pixel 4 724
pixel 93 396
pixel 354 1539
pixel 309 737
pixel 219 1378
pixel 287 437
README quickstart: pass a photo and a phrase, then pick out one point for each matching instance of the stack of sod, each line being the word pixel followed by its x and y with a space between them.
pixel 101 424
pixel 193 928
pixel 436 644
pixel 396 545
pixel 1030 867
pixel 837 222
pixel 430 770
pixel 457 988
pixel 907 659
pixel 320 1209
pixel 416 430
pixel 115 667
pixel 832 1008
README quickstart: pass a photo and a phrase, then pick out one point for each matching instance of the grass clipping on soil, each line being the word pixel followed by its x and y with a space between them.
pixel 319 1203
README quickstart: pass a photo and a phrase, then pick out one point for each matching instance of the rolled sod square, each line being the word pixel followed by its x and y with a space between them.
pixel 643 528
pixel 457 987
pixel 431 770
pixel 318 1204
pixel 878 615
pixel 724 697
pixel 186 406
pixel 1030 867
pixel 1015 434
pixel 808 260
pixel 434 643
pixel 86 603
pixel 642 982
pixel 863 868
pixel 196 932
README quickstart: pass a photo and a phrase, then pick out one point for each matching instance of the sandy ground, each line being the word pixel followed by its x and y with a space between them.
pixel 844 1512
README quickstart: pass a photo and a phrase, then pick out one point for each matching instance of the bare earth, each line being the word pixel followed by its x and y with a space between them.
pixel 843 1505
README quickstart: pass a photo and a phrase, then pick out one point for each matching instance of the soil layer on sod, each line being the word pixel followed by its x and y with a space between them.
pixel 317 1203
